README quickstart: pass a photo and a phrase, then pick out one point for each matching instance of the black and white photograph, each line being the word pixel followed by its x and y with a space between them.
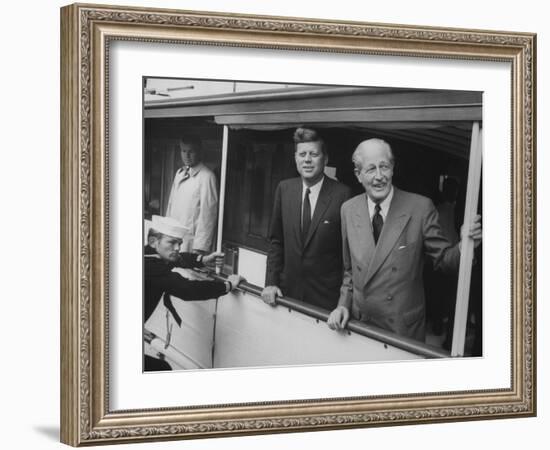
pixel 302 224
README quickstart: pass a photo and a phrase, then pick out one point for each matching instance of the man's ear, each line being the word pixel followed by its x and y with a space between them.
pixel 152 241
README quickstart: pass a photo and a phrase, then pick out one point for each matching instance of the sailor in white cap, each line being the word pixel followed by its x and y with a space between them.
pixel 162 254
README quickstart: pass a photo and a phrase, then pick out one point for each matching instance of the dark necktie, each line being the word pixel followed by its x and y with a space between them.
pixel 377 223
pixel 306 215
pixel 186 174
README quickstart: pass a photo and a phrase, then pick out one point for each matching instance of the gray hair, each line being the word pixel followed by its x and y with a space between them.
pixel 356 156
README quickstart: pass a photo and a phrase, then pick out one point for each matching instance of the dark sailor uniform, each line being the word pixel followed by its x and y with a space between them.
pixel 162 283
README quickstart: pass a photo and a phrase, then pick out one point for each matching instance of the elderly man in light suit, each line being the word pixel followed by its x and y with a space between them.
pixel 386 234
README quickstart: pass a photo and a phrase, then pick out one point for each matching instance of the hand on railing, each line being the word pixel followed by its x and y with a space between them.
pixel 270 294
pixel 234 281
pixel 338 318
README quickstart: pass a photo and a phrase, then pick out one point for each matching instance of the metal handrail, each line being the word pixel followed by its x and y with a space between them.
pixel 372 332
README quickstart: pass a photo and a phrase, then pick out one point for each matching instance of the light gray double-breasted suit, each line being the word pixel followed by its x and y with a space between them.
pixel 383 283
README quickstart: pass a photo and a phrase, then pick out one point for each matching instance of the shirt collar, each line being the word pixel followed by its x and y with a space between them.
pixel 315 189
pixel 384 205
pixel 192 170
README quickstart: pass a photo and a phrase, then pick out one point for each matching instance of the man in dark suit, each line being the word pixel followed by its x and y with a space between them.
pixel 305 257
pixel 386 234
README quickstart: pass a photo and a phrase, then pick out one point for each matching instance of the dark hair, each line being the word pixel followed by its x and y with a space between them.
pixel 302 135
pixel 193 141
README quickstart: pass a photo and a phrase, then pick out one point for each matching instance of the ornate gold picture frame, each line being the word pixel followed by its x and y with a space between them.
pixel 87 415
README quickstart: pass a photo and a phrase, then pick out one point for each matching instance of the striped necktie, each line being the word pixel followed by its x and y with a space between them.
pixel 377 223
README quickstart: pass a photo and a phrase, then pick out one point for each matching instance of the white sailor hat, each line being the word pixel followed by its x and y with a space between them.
pixel 168 226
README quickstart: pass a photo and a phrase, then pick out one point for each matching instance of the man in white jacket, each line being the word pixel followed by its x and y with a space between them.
pixel 194 198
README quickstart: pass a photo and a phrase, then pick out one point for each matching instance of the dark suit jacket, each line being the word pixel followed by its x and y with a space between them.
pixel 383 284
pixel 312 270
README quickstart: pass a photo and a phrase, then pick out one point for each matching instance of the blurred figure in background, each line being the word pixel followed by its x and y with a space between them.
pixel 193 198
pixel 441 286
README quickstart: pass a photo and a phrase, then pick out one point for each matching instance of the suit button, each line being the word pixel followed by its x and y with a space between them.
pixel 389 297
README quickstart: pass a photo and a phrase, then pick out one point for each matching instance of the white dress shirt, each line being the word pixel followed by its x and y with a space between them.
pixel 313 194
pixel 384 206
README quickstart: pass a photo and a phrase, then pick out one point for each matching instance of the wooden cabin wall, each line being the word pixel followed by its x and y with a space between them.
pixel 257 162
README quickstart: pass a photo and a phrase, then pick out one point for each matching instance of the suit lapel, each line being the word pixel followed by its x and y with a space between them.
pixel 365 240
pixel 323 201
pixel 394 224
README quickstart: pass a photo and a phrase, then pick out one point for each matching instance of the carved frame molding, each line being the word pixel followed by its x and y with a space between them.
pixel 87 31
